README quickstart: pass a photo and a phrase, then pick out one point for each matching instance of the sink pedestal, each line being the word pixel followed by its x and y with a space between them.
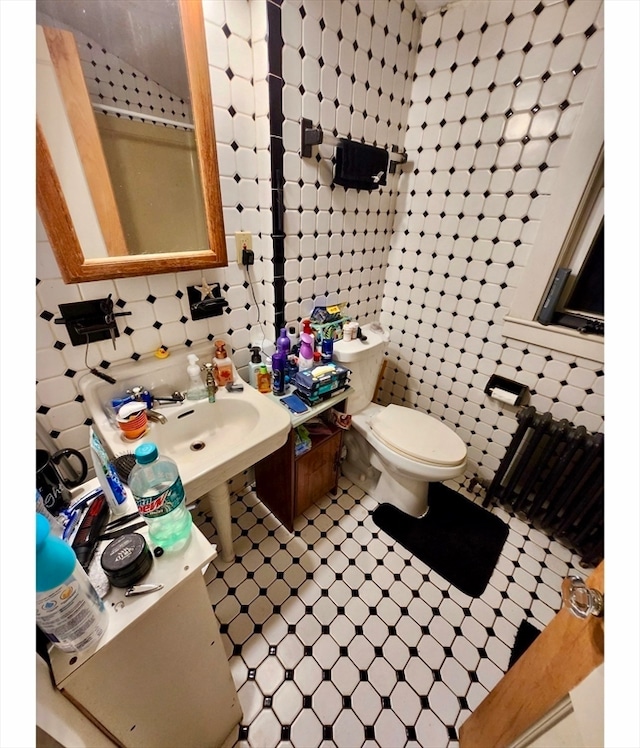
pixel 220 505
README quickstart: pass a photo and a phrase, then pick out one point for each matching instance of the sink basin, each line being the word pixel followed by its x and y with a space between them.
pixel 192 429
pixel 210 442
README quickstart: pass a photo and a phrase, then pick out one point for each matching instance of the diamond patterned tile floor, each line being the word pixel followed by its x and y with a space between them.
pixel 338 636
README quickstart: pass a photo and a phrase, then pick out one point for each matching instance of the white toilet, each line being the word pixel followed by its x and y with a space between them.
pixel 393 452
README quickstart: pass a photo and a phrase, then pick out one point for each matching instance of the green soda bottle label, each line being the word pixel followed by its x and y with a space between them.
pixel 152 507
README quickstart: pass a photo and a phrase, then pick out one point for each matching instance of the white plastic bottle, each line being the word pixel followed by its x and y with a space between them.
pixel 159 495
pixel 197 389
pixel 254 366
pixel 107 476
pixel 68 609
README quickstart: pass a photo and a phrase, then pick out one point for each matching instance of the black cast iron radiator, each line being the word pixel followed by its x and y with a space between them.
pixel 553 474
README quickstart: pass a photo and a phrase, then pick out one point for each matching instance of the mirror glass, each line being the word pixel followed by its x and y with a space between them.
pixel 116 72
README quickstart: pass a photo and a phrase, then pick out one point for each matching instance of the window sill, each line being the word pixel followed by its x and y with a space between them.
pixel 556 338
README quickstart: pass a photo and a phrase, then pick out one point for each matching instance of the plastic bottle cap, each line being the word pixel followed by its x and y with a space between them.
pixel 146 453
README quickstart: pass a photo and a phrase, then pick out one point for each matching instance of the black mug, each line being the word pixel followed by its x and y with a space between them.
pixel 53 486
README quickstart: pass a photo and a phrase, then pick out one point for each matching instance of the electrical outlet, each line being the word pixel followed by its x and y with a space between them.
pixel 243 241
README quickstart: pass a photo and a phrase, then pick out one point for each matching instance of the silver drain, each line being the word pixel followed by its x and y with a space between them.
pixel 197 446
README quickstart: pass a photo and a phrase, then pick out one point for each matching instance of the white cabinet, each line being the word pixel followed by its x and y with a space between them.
pixel 159 676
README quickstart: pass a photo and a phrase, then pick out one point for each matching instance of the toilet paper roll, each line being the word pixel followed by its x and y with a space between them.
pixel 504 396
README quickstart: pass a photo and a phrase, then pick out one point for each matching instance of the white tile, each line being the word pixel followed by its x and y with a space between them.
pixel 443 702
pixel 347 729
pixel 365 703
pixel 389 729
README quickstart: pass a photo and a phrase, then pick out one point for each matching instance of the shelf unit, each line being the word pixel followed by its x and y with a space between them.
pixel 290 484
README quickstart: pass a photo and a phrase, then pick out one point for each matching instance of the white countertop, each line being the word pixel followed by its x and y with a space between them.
pixel 299 418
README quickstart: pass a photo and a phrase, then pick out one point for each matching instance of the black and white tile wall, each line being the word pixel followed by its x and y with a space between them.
pixel 348 68
pixel 236 46
pixel 484 97
pixel 497 91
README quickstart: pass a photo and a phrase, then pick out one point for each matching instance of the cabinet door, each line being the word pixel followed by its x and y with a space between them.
pixel 317 472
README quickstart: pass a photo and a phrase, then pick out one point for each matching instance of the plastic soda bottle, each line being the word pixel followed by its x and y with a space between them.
pixel 159 495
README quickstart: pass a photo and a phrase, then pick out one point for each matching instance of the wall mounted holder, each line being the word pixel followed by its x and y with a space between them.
pixel 506 390
pixel 310 136
pixel 90 321
pixel 205 301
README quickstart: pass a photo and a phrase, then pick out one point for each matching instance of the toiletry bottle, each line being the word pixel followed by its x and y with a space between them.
pixel 107 476
pixel 327 350
pixel 263 379
pixel 305 359
pixel 254 366
pixel 223 364
pixel 197 390
pixel 283 344
pixel 292 334
pixel 278 363
pixel 68 608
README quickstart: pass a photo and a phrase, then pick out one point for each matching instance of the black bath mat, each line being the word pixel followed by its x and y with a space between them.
pixel 458 539
pixel 526 635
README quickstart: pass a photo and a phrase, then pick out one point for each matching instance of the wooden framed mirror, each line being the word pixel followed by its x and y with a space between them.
pixel 84 204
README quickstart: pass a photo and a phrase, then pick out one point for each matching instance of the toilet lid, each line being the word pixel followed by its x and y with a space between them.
pixel 419 436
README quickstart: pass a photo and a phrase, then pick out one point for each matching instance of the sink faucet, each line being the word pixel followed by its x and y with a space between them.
pixel 144 396
pixel 212 387
pixel 153 415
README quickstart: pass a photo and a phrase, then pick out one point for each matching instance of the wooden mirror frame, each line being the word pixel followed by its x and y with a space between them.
pixel 51 202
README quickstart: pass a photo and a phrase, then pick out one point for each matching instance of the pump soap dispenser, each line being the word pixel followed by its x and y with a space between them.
pixel 197 389
pixel 223 364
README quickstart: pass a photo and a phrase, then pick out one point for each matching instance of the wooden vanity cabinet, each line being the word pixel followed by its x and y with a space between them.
pixel 288 485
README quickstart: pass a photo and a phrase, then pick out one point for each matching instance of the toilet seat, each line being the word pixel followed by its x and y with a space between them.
pixel 418 436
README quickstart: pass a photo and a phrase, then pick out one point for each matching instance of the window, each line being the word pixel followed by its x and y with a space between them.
pixel 559 303
pixel 575 298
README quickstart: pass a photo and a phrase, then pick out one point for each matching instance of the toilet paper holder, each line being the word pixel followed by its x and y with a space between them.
pixel 506 390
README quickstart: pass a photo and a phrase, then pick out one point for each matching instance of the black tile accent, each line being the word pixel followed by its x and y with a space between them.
pixel 276 118
pixel 274 38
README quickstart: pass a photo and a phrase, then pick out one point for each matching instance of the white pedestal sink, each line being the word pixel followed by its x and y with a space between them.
pixel 210 442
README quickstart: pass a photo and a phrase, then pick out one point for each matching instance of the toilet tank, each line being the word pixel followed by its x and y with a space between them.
pixel 363 359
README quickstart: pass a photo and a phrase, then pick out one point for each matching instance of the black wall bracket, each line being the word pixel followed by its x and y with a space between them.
pixel 205 301
pixel 90 321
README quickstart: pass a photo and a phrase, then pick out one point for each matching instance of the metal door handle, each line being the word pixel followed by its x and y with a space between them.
pixel 581 600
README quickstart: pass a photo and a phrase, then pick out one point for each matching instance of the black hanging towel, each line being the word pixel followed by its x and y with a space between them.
pixel 363 167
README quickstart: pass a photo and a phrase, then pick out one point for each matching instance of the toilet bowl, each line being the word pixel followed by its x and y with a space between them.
pixel 392 452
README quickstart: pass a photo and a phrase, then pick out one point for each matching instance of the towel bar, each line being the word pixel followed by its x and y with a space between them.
pixel 310 136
